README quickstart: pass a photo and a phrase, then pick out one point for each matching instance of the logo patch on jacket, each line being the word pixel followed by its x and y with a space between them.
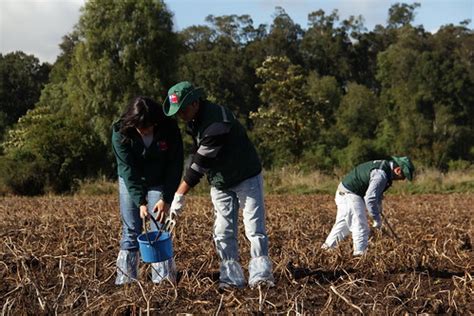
pixel 173 98
pixel 162 145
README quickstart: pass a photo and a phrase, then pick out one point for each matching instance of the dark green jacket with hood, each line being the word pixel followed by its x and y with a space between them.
pixel 141 167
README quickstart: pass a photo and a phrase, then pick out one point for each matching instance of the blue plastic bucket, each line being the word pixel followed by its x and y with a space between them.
pixel 158 250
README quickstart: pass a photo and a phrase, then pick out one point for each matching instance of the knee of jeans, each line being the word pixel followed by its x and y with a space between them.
pixel 131 231
pixel 224 228
pixel 255 231
pixel 130 236
pixel 129 244
pixel 224 234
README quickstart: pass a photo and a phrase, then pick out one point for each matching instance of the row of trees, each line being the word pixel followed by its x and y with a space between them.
pixel 328 96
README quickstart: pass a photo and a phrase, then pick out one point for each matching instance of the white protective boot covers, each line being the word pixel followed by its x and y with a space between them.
pixel 260 272
pixel 164 270
pixel 127 266
pixel 231 274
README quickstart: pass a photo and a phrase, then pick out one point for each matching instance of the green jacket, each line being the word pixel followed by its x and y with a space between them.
pixel 161 164
pixel 224 151
pixel 357 180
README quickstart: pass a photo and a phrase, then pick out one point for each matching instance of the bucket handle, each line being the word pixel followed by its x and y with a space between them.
pixel 160 230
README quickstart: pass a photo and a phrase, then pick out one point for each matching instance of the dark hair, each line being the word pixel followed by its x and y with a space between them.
pixel 142 112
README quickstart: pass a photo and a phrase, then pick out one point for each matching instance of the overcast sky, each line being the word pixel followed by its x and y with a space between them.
pixel 37 26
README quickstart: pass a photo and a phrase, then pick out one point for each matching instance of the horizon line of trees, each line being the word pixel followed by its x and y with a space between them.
pixel 326 97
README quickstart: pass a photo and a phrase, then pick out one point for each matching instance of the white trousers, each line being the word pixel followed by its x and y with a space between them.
pixel 350 218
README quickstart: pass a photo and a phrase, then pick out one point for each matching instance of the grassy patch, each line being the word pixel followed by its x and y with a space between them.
pixel 294 181
pixel 96 187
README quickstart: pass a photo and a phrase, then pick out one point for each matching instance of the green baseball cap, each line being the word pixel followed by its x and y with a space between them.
pixel 407 166
pixel 179 96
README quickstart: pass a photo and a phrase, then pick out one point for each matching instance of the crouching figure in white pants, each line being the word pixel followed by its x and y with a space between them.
pixel 226 155
pixel 362 188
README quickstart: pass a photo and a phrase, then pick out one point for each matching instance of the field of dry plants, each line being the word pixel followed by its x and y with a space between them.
pixel 57 255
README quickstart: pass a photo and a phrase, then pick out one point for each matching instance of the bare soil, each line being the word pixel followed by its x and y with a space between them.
pixel 57 255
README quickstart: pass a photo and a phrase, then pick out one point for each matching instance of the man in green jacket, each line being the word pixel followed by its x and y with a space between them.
pixel 363 188
pixel 229 159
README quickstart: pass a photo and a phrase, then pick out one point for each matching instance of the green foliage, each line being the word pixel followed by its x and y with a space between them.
pixel 22 172
pixel 401 14
pixel 213 58
pixel 357 151
pixel 22 78
pixel 430 93
pixel 461 165
pixel 126 48
pixel 326 94
pixel 94 186
pixel 287 120
pixel 326 48
pixel 284 37
pixel 358 115
pixel 328 97
pixel 48 151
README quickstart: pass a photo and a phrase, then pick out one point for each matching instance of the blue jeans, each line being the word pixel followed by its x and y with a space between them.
pixel 247 195
pixel 131 222
pixel 127 260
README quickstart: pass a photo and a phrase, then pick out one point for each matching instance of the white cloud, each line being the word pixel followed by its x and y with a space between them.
pixel 36 26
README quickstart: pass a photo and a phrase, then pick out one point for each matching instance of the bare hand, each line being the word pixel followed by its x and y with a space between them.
pixel 162 209
pixel 143 212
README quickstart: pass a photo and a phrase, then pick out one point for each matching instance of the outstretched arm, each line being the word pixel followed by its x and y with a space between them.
pixel 374 195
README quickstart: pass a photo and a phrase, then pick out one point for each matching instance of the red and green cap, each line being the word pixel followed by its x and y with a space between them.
pixel 179 96
pixel 407 166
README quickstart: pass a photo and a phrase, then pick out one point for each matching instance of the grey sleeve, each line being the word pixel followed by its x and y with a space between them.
pixel 374 195
pixel 214 138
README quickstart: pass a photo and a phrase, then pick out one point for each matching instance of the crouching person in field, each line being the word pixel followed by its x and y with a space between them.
pixel 229 159
pixel 362 188
pixel 149 152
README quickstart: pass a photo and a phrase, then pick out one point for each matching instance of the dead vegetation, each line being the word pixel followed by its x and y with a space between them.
pixel 57 255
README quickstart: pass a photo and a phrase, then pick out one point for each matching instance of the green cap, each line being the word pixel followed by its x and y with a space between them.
pixel 179 96
pixel 407 166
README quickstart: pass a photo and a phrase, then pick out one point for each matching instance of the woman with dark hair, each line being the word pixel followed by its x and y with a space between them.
pixel 149 152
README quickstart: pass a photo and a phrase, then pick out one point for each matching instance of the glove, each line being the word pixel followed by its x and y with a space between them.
pixel 377 223
pixel 170 222
pixel 177 204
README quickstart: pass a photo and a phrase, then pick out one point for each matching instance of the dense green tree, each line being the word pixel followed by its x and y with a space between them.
pixel 367 45
pixel 357 119
pixel 326 97
pixel 363 60
pixel 326 94
pixel 213 59
pixel 288 121
pixel 358 113
pixel 284 37
pixel 22 78
pixel 325 47
pixel 118 50
pixel 401 14
pixel 428 88
pixel 126 48
pixel 48 151
pixel 63 62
